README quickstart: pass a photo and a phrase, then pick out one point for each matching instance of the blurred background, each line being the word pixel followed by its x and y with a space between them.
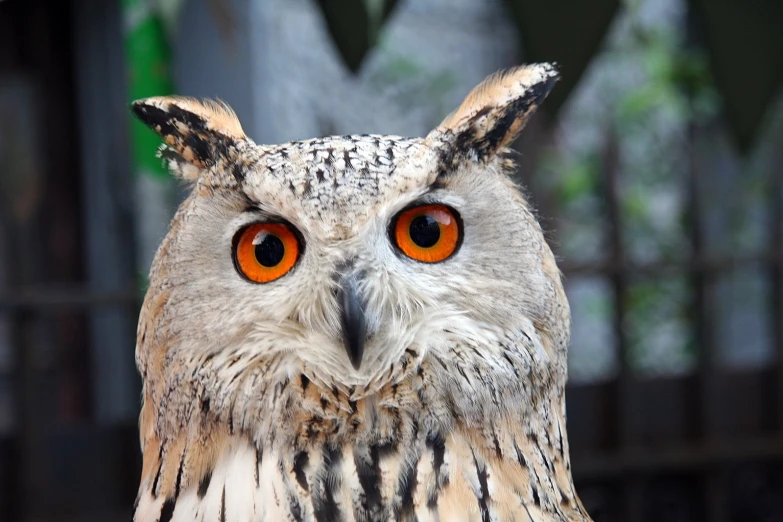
pixel 656 167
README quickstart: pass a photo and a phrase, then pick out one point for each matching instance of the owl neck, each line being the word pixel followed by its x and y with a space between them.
pixel 404 454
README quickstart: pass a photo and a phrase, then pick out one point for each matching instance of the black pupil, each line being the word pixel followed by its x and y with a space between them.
pixel 269 252
pixel 424 231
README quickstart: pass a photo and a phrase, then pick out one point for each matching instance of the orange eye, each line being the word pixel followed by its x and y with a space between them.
pixel 429 233
pixel 264 252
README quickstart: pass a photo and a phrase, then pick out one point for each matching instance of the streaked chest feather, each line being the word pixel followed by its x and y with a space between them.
pixel 426 449
pixel 426 479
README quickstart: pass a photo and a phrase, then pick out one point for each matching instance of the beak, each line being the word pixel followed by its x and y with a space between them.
pixel 353 319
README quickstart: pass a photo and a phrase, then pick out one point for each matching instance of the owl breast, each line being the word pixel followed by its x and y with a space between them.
pixel 427 478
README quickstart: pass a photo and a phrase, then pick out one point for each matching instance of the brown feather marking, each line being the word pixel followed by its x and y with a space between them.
pixel 151 457
pixel 147 343
pixel 425 479
pixel 186 461
pixel 204 448
pixel 457 499
pixel 146 424
pixel 173 454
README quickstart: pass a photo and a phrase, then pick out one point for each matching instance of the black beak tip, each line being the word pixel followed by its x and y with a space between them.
pixel 354 333
pixel 356 359
pixel 353 322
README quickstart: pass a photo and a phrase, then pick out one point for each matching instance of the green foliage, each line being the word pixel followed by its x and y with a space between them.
pixel 657 326
pixel 651 89
pixel 411 84
pixel 678 78
pixel 578 178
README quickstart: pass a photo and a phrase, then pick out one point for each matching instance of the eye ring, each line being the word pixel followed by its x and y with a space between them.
pixel 264 252
pixel 428 233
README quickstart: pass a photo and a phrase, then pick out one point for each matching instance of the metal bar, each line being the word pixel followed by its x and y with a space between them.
pixel 66 297
pixel 704 263
pixel 27 432
pixel 776 272
pixel 633 487
pixel 14 474
pixel 617 277
pixel 685 459
pixel 702 279
pixel 108 210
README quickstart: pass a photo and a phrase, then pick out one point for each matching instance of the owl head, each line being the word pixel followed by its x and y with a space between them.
pixel 347 260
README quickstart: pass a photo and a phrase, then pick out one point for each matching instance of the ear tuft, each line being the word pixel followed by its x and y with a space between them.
pixel 201 132
pixel 496 110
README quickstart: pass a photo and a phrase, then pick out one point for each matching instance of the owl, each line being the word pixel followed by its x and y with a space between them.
pixel 354 328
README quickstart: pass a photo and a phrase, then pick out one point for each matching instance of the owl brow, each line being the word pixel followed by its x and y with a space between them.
pixel 431 191
pixel 255 209
pixel 264 215
pixel 250 205
pixel 438 184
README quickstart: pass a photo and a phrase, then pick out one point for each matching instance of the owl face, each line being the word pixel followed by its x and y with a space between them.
pixel 351 258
